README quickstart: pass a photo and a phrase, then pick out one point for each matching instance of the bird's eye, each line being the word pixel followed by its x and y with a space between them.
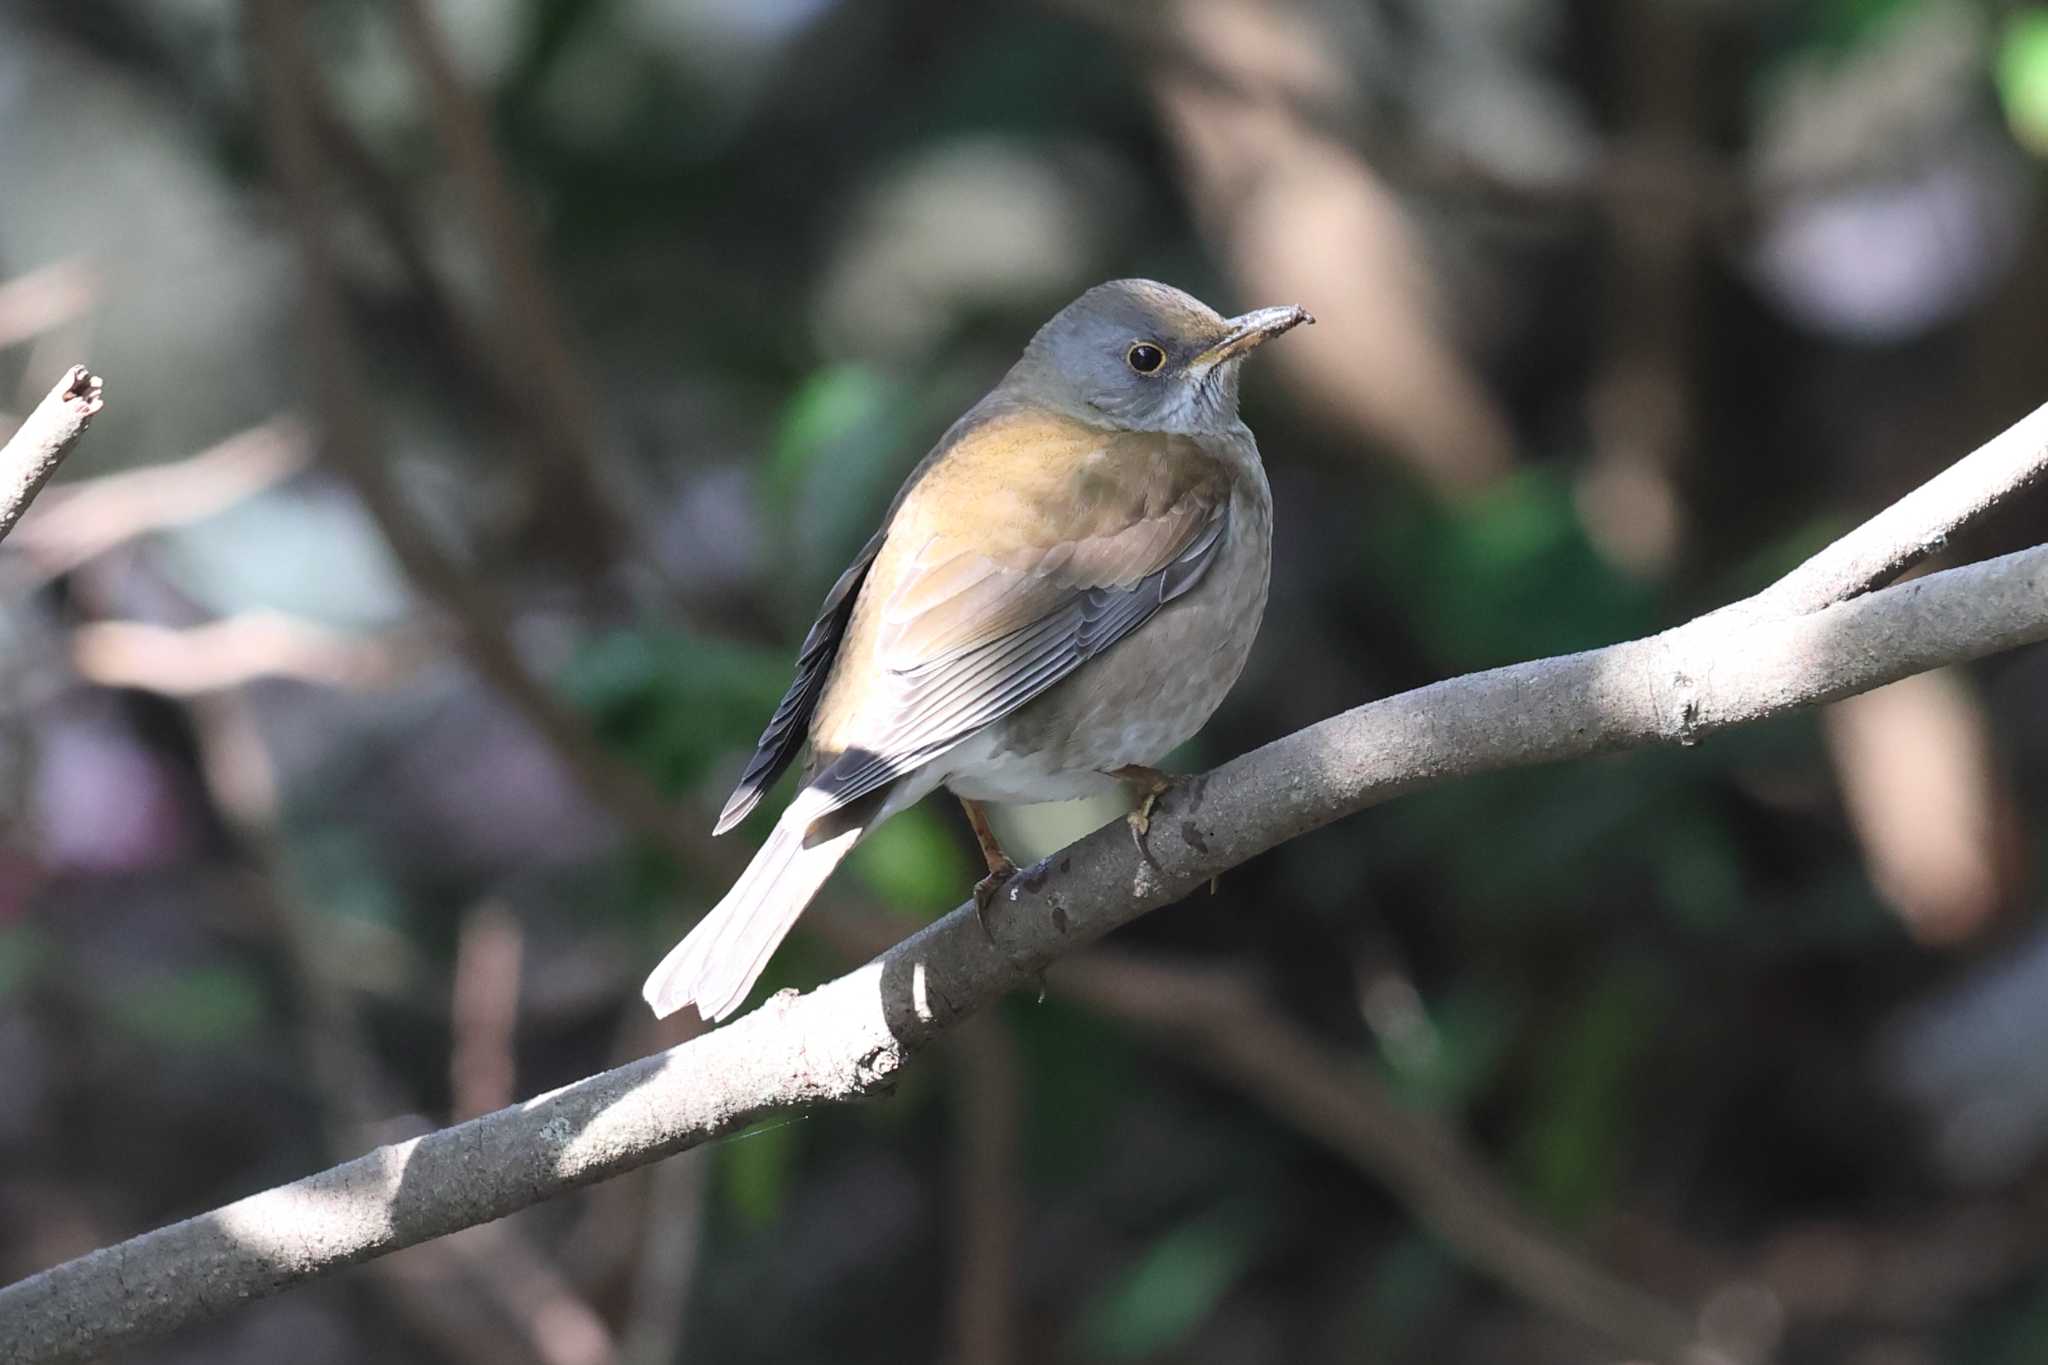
pixel 1144 357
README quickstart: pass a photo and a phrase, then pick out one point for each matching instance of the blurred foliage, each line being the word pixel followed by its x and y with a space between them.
pixel 673 703
pixel 1508 575
pixel 1661 993
pixel 1173 1288
pixel 2023 76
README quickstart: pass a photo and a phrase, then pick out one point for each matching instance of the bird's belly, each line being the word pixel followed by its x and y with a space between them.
pixel 985 770
pixel 1135 703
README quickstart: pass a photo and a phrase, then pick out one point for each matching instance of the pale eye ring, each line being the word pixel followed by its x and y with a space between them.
pixel 1145 357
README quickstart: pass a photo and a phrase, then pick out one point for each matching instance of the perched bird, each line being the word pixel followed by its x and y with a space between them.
pixel 1061 593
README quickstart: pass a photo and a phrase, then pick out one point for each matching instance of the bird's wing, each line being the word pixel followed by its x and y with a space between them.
pixel 1009 567
pixel 786 729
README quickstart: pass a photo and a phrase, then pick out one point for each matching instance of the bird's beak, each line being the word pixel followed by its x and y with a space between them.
pixel 1249 332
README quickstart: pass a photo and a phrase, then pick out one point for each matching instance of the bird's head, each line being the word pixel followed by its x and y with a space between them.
pixel 1146 356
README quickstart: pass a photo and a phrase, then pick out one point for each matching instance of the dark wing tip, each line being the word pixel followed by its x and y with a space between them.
pixel 740 804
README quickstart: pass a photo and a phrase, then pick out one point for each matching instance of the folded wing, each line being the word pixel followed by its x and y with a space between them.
pixel 972 633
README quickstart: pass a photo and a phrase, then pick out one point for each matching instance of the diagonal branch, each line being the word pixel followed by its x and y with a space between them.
pixel 40 444
pixel 527 343
pixel 1919 524
pixel 849 1038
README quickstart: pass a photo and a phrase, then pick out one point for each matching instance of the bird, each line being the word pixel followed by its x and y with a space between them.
pixel 1062 592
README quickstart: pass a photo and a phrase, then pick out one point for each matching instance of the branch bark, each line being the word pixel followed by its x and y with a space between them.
pixel 849 1038
pixel 40 444
pixel 1919 524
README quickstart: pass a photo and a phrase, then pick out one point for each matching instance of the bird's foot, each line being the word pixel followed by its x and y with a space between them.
pixel 1000 868
pixel 987 889
pixel 1149 784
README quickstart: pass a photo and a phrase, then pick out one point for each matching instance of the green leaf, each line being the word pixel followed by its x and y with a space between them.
pixel 1173 1288
pixel 2022 75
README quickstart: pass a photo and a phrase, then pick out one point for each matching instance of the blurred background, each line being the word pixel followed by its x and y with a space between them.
pixel 495 387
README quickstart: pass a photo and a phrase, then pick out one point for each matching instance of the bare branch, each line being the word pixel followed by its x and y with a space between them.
pixel 234 651
pixel 40 444
pixel 88 517
pixel 849 1038
pixel 1918 524
pixel 527 344
pixel 484 1010
pixel 44 299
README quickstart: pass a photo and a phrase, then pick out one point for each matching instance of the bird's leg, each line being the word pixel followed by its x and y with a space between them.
pixel 1000 868
pixel 1147 785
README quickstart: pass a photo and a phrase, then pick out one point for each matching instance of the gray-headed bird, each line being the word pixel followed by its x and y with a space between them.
pixel 1061 593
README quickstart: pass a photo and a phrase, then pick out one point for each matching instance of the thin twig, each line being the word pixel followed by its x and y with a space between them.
pixel 40 444
pixel 234 651
pixel 1917 525
pixel 483 1013
pixel 987 1216
pixel 527 340
pixel 88 517
pixel 44 299
pixel 672 1236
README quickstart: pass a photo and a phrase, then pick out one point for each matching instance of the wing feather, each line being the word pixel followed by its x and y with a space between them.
pixel 784 736
pixel 970 636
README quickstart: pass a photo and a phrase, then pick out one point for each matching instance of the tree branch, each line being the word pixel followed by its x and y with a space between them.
pixel 850 1037
pixel 40 444
pixel 88 517
pixel 527 343
pixel 1919 524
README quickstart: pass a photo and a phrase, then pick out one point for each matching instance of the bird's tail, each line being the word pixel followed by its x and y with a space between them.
pixel 721 959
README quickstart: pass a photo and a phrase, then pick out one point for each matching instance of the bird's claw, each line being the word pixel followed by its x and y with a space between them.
pixel 1150 785
pixel 985 892
pixel 1140 818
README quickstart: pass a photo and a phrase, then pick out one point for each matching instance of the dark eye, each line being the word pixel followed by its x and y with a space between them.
pixel 1144 357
